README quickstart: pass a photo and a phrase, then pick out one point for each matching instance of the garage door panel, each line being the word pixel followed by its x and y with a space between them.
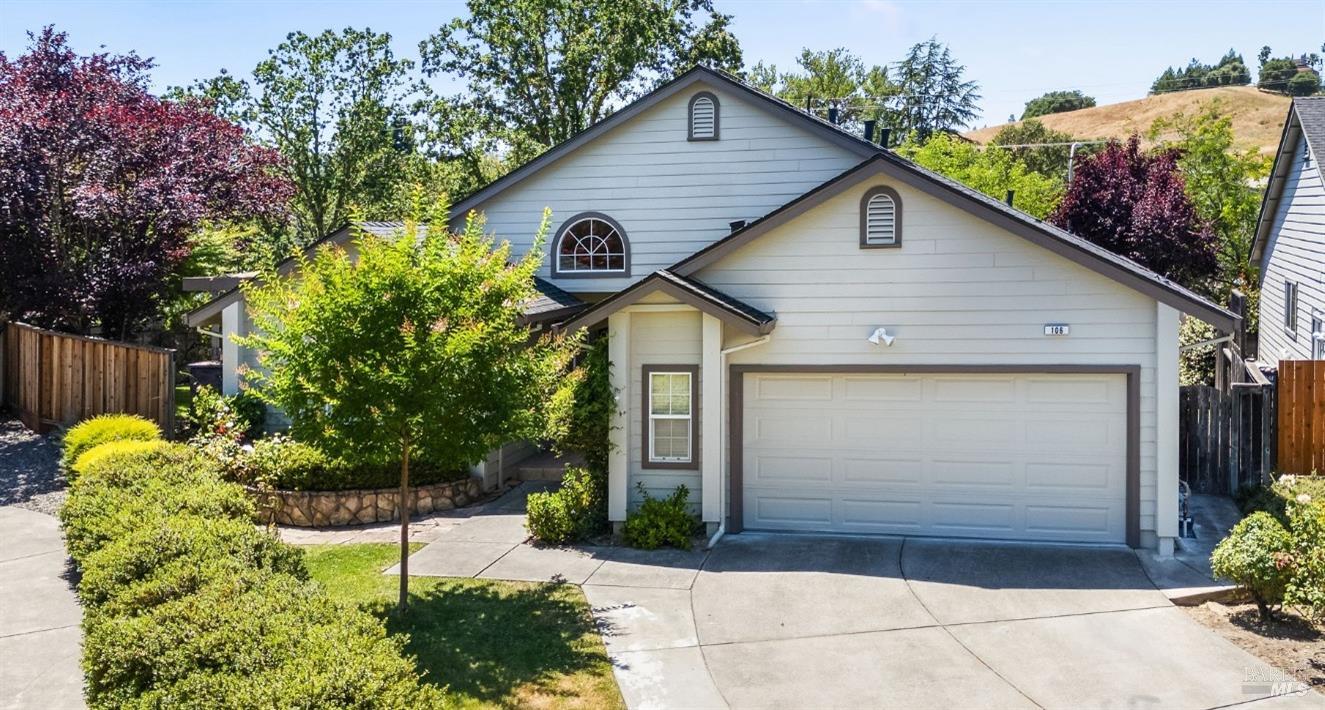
pixel 964 431
pixel 1074 393
pixel 782 428
pixel 787 469
pixel 984 390
pixel 858 470
pixel 791 388
pixel 989 460
pixel 1064 433
pixel 1082 521
pixel 795 512
pixel 971 472
pixel 1051 476
pixel 876 515
pixel 873 389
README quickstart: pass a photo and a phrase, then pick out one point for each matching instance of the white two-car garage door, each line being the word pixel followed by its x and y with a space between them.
pixel 1016 456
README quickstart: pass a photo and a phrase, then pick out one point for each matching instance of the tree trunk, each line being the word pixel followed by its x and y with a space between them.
pixel 403 507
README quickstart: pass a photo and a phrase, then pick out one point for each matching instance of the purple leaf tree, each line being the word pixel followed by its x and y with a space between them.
pixel 103 185
pixel 1133 203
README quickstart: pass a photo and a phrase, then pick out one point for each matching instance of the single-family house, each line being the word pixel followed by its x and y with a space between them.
pixel 814 334
pixel 1289 245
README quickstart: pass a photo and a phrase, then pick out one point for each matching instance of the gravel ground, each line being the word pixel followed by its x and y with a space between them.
pixel 29 469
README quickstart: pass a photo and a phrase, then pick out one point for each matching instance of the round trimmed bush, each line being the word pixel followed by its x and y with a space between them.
pixel 104 428
pixel 113 449
pixel 1257 555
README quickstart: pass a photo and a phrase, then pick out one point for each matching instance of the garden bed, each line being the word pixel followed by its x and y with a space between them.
pixel 1290 643
pixel 360 507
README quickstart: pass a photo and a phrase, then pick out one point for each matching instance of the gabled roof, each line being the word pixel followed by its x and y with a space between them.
pixel 1039 232
pixel 1305 121
pixel 831 132
pixel 729 310
pixel 877 161
pixel 551 303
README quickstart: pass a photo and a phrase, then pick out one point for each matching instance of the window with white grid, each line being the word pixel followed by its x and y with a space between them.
pixel 671 411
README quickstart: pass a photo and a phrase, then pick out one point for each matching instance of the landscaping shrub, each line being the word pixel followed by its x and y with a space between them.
pixel 574 512
pixel 1273 499
pixel 239 416
pixel 662 521
pixel 95 455
pixel 103 428
pixel 1305 591
pixel 188 604
pixel 281 462
pixel 579 414
pixel 1257 555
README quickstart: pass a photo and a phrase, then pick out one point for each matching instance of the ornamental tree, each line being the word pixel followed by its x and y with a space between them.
pixel 103 186
pixel 1134 204
pixel 413 352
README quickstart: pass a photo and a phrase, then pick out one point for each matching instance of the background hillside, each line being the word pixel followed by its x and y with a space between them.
pixel 1258 117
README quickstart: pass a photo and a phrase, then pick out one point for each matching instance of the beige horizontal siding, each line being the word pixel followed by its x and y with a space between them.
pixel 958 291
pixel 672 196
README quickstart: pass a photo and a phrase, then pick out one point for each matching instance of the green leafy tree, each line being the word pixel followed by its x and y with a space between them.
pixel 1304 84
pixel 548 70
pixel 1049 160
pixel 833 77
pixel 414 351
pixel 990 171
pixel 1229 71
pixel 332 104
pixel 932 95
pixel 1057 102
pixel 1222 183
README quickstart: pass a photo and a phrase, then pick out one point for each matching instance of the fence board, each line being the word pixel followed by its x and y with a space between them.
pixel 1301 416
pixel 56 379
pixel 1220 436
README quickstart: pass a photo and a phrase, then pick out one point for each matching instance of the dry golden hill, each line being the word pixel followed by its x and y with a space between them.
pixel 1258 117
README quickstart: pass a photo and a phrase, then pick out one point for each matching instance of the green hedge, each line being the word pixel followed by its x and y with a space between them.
pixel 290 465
pixel 103 428
pixel 188 604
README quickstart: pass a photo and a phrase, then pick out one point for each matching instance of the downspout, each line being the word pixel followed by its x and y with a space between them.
pixel 722 428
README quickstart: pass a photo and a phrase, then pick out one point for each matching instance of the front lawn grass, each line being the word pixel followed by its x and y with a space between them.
pixel 503 644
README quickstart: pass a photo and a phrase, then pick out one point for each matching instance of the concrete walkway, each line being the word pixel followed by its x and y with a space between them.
pixel 822 621
pixel 39 615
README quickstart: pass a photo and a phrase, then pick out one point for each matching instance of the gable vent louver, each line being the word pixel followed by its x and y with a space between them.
pixel 881 220
pixel 703 118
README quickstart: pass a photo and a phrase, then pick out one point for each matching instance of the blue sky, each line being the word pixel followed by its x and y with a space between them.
pixel 1016 50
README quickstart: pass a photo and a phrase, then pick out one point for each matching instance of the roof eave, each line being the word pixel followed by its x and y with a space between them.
pixel 653 283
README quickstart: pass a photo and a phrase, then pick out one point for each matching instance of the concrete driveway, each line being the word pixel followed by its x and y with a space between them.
pixel 807 621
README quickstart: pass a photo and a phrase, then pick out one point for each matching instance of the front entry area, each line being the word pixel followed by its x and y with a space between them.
pixel 1020 456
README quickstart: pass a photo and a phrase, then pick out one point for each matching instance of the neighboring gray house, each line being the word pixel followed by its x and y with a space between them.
pixel 814 334
pixel 1290 242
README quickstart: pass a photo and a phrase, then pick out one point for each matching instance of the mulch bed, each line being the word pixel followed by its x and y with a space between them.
pixel 1290 643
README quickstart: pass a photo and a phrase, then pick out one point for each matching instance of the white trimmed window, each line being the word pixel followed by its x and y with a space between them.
pixel 880 218
pixel 703 117
pixel 671 416
pixel 1290 306
pixel 591 244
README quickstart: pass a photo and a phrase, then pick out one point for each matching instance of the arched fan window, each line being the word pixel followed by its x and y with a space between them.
pixel 591 244
pixel 703 117
pixel 880 218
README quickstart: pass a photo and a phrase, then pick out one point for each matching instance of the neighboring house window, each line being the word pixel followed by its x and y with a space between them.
pixel 1317 338
pixel 591 244
pixel 880 218
pixel 1290 306
pixel 703 117
pixel 669 410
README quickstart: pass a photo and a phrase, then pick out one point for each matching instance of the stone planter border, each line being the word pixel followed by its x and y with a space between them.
pixel 360 507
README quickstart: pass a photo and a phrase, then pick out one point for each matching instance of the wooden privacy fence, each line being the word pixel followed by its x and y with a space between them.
pixel 1301 386
pixel 54 379
pixel 1225 439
